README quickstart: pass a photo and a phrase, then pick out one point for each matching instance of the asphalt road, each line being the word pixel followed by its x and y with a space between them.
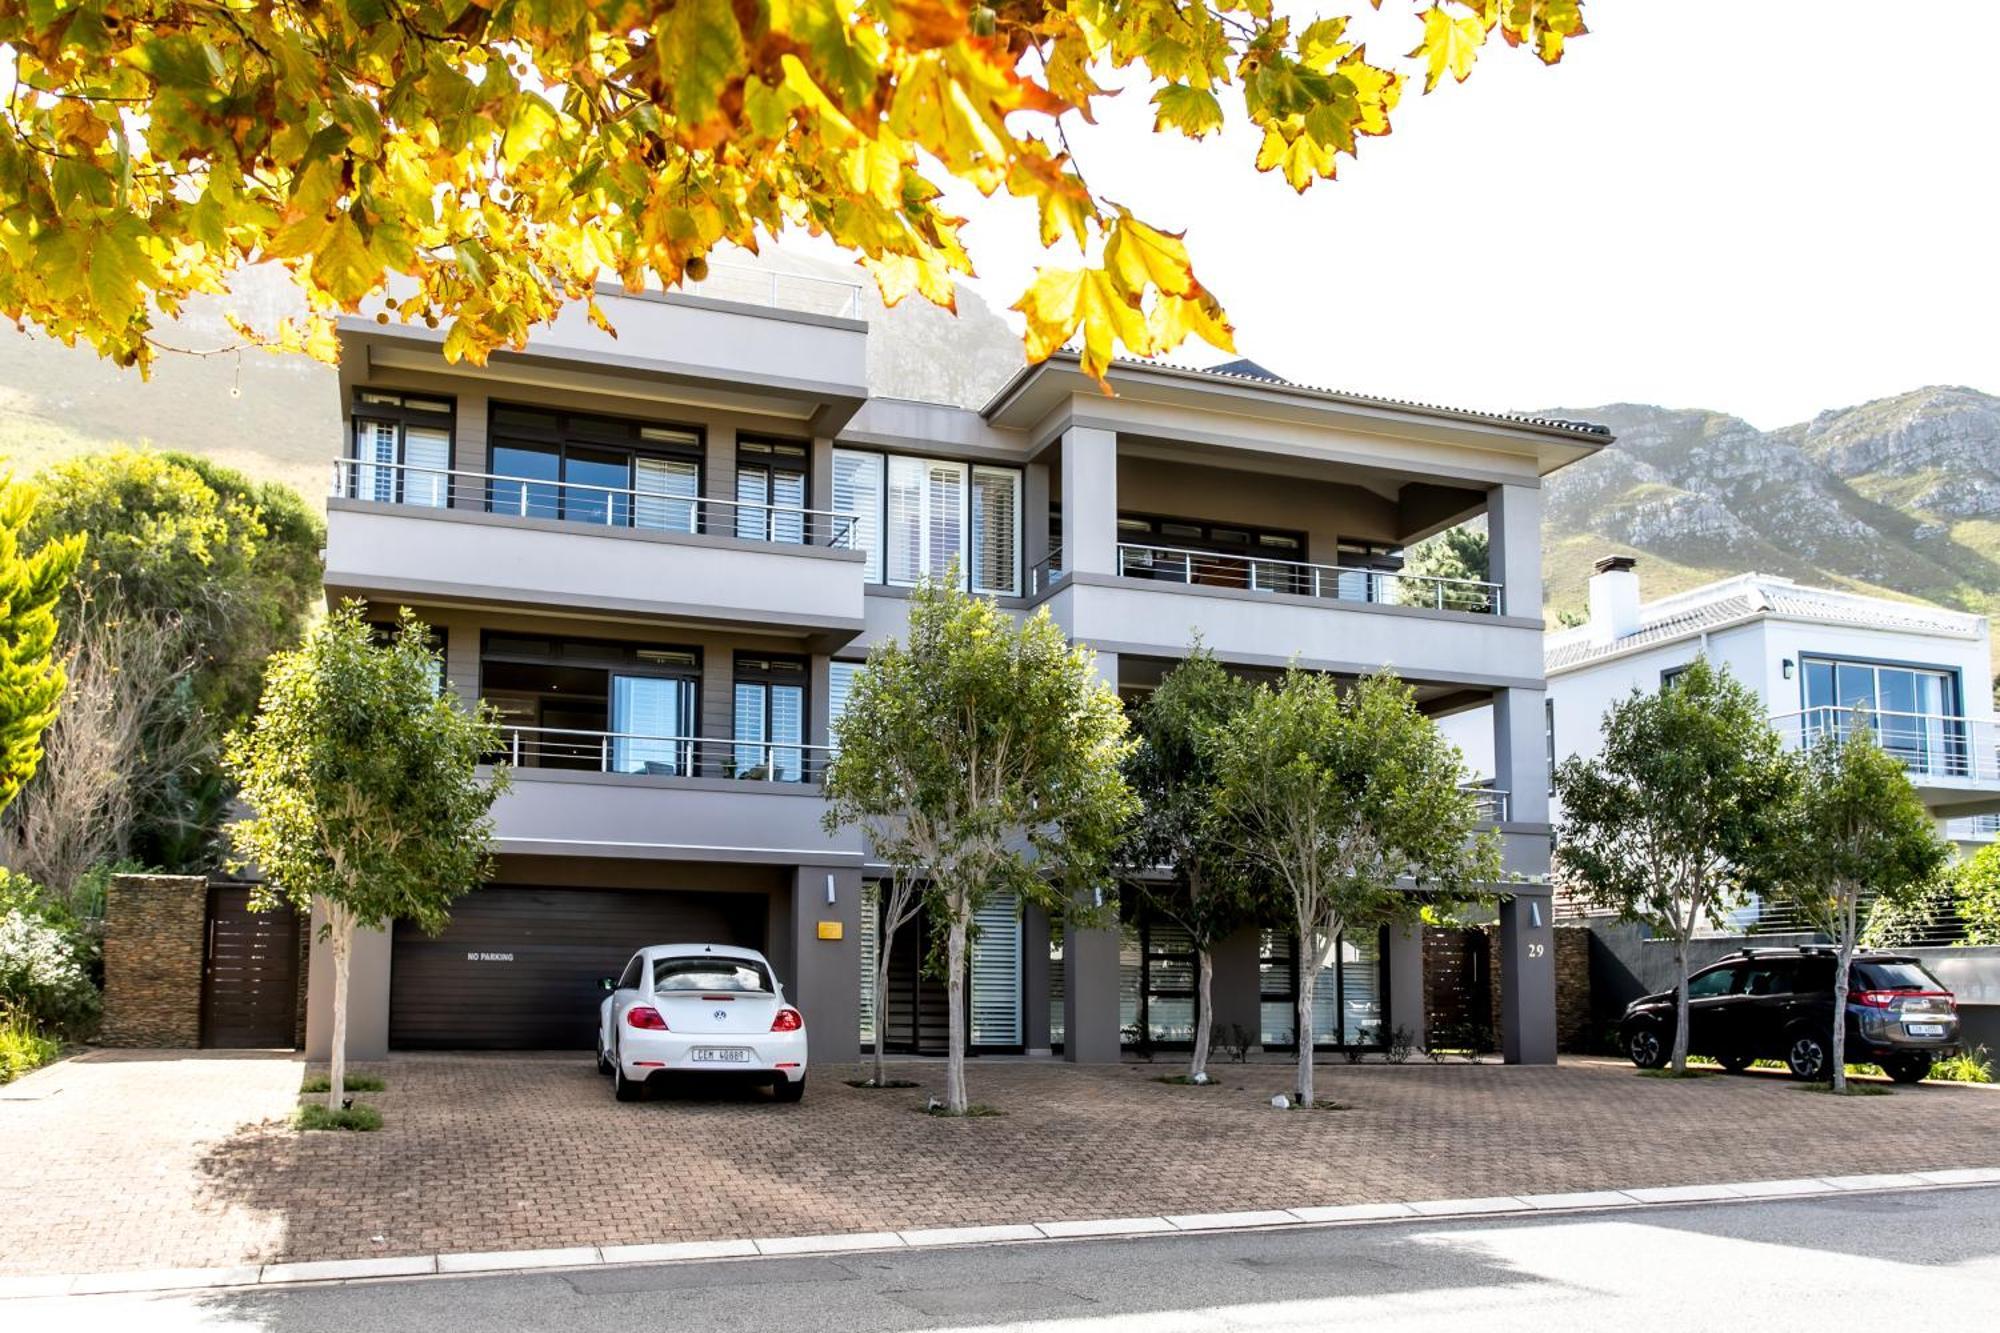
pixel 1922 1259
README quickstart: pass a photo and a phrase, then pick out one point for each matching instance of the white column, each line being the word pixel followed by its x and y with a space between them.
pixel 1521 754
pixel 1514 531
pixel 1090 501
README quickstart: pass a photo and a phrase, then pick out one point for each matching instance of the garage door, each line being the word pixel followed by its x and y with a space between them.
pixel 518 968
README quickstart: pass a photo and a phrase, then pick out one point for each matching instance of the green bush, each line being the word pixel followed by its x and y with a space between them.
pixel 44 973
pixel 1973 1066
pixel 357 1117
pixel 350 1083
pixel 23 1049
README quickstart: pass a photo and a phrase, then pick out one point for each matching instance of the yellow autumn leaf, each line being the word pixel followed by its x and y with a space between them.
pixel 1173 319
pixel 1063 302
pixel 1138 256
pixel 1301 158
pixel 1449 46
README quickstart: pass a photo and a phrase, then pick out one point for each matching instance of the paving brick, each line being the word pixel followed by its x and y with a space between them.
pixel 151 1161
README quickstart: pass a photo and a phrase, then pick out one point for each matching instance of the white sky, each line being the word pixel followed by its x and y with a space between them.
pixel 1767 207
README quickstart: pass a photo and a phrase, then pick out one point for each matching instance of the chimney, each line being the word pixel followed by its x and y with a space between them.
pixel 1614 599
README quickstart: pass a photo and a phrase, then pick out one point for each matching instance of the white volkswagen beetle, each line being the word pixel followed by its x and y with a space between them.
pixel 691 1009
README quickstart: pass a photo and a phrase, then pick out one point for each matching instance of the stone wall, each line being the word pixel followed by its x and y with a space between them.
pixel 1575 1027
pixel 1457 987
pixel 155 933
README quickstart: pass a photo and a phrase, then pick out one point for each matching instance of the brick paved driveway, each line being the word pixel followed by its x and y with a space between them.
pixel 486 1153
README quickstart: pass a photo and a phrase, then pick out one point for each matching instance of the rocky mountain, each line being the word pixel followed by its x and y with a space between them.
pixel 1899 497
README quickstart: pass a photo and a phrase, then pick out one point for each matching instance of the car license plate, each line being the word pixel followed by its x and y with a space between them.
pixel 721 1055
pixel 1924 1029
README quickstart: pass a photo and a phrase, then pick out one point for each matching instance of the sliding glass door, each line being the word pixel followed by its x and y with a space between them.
pixel 652 721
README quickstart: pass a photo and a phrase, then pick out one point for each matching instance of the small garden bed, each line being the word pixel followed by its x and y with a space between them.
pixel 870 1085
pixel 351 1083
pixel 315 1115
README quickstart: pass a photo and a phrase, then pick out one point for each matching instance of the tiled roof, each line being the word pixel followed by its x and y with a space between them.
pixel 1249 372
pixel 1746 595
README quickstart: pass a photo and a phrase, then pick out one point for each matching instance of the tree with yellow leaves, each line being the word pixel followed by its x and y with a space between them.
pixel 479 163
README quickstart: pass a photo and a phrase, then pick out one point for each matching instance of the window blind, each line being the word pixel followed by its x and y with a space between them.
pixel 666 490
pixel 871 934
pixel 857 490
pixel 996 523
pixel 426 461
pixel 996 973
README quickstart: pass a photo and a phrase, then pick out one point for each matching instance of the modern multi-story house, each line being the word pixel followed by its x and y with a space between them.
pixel 663 556
pixel 1820 661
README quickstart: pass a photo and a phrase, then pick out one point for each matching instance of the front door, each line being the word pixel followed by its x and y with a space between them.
pixel 250 975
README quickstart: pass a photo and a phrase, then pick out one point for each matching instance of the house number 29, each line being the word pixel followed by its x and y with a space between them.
pixel 1537 950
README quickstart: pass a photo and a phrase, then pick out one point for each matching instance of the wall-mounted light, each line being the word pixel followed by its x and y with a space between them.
pixel 829 890
pixel 1534 912
pixel 1788 668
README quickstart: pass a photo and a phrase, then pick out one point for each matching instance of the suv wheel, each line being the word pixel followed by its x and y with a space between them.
pixel 1646 1047
pixel 1908 1068
pixel 1808 1056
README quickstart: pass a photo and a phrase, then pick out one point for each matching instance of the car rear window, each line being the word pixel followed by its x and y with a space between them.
pixel 1893 976
pixel 709 974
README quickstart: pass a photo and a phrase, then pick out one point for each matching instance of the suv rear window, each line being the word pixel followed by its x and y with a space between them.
pixel 709 974
pixel 1892 976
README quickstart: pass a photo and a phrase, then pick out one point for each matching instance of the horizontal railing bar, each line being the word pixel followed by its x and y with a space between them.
pixel 655 497
pixel 511 729
pixel 1227 558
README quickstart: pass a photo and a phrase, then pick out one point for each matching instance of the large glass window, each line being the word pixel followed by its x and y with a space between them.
pixel 605 471
pixel 1348 998
pixel 771 492
pixel 770 718
pixel 652 724
pixel 915 516
pixel 401 450
pixel 995 969
pixel 1911 708
pixel 589 704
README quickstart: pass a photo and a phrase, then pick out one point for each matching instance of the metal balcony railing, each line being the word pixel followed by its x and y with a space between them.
pixel 1930 745
pixel 1343 583
pixel 640 754
pixel 594 506
pixel 779 291
pixel 1493 802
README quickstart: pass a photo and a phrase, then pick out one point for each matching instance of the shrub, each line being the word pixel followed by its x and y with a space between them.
pixel 359 1117
pixel 44 973
pixel 23 1049
pixel 1973 1066
pixel 1401 1044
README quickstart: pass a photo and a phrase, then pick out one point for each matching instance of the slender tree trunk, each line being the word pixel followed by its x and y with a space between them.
pixel 341 938
pixel 1204 1015
pixel 881 1005
pixel 954 1067
pixel 1838 1075
pixel 1680 1061
pixel 1308 984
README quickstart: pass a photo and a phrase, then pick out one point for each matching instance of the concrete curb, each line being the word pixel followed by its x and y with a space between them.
pixel 248 1276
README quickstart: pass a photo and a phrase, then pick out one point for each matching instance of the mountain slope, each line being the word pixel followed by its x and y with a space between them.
pixel 1899 497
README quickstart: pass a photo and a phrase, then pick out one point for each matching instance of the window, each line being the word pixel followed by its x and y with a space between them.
pixel 630 979
pixel 839 685
pixel 1710 985
pixel 1277 989
pixel 771 492
pixel 857 495
pixel 740 976
pixel 996 972
pixel 586 704
pixel 914 516
pixel 1672 675
pixel 606 471
pixel 770 719
pixel 1347 999
pixel 1762 978
pixel 401 450
pixel 437 639
pixel 1911 708
pixel 871 945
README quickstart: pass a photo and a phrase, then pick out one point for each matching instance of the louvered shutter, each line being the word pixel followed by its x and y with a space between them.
pixel 996 527
pixel 1360 990
pixel 857 491
pixel 375 461
pixel 996 973
pixel 666 490
pixel 871 936
pixel 753 497
pixel 905 520
pixel 839 684
pixel 944 519
pixel 426 463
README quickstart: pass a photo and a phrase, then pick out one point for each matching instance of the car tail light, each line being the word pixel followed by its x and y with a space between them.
pixel 788 1020
pixel 645 1016
pixel 1877 999
pixel 1931 1000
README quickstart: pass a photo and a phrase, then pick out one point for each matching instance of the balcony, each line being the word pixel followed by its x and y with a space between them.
pixel 1954 762
pixel 396 530
pixel 1251 609
pixel 589 793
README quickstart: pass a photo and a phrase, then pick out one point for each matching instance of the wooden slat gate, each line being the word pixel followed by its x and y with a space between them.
pixel 250 973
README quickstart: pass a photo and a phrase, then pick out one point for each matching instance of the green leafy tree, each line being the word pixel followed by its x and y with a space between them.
pixel 360 776
pixel 1975 886
pixel 1660 822
pixel 1852 836
pixel 1336 795
pixel 33 578
pixel 1206 891
pixel 485 163
pixel 981 756
pixel 210 573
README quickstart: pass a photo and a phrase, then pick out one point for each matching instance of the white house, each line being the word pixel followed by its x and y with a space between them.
pixel 1818 659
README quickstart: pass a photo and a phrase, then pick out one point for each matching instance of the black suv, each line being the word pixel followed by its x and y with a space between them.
pixel 1777 1004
